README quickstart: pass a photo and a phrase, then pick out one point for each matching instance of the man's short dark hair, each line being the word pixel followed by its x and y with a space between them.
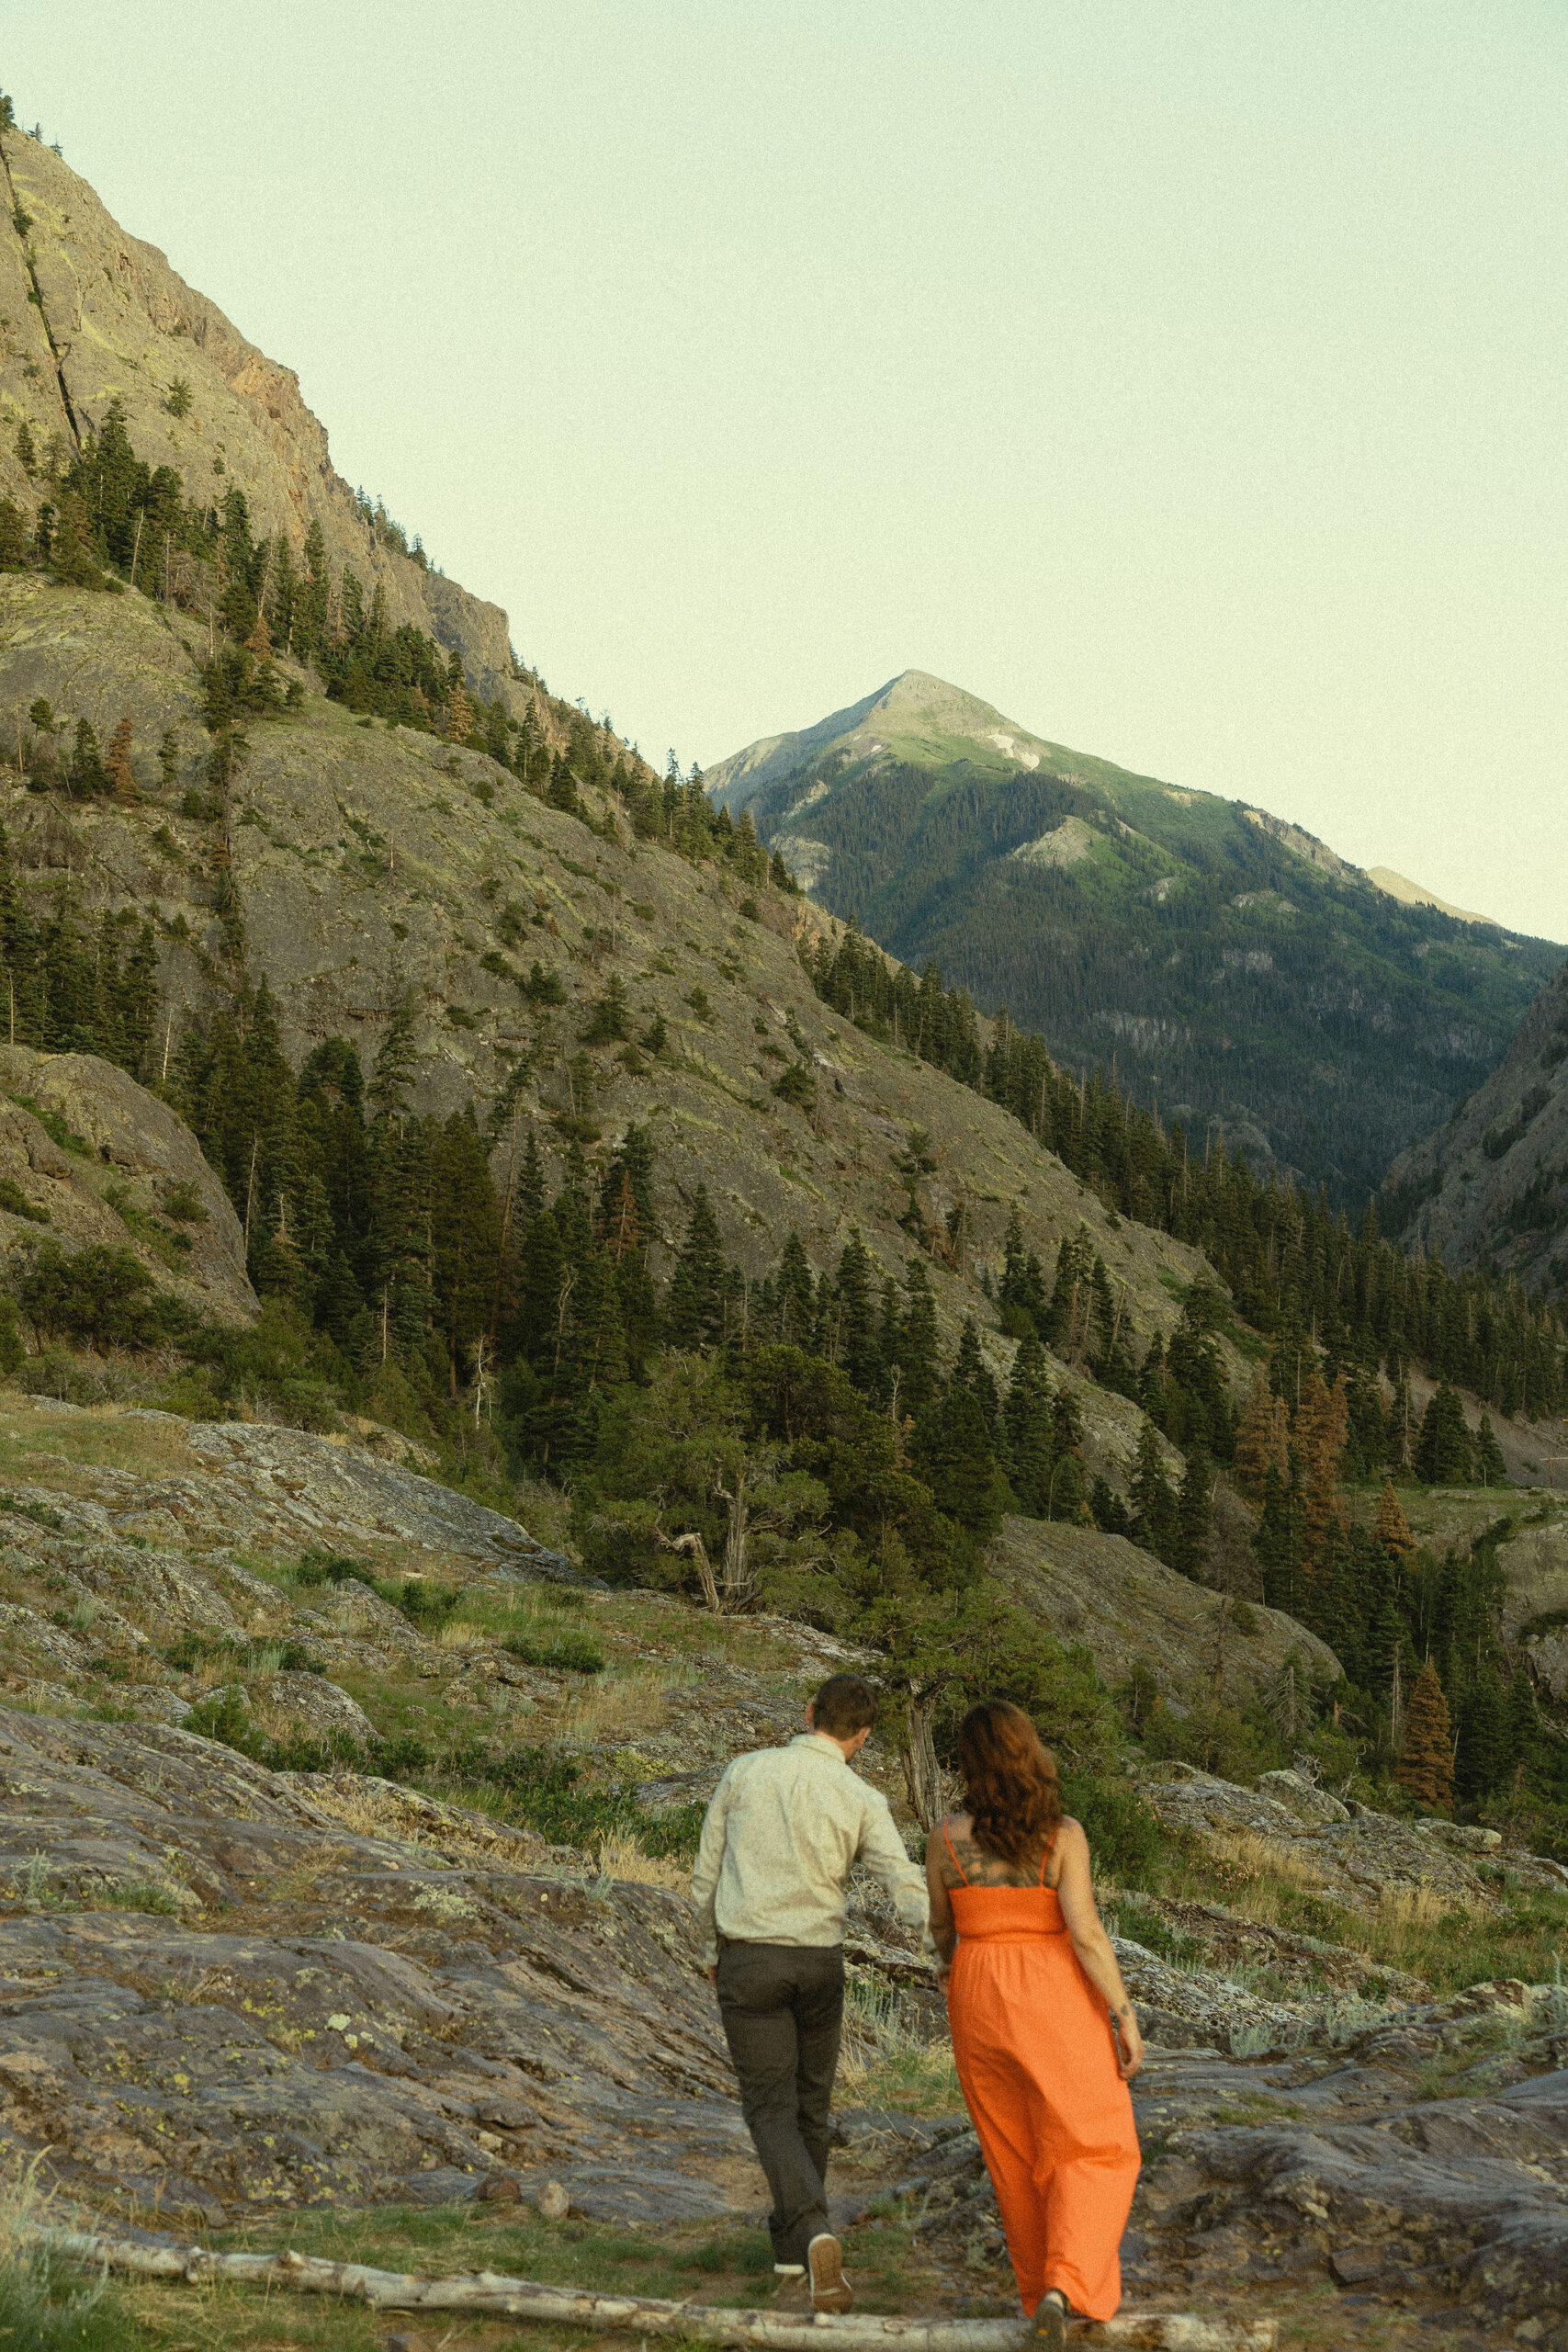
pixel 845 1704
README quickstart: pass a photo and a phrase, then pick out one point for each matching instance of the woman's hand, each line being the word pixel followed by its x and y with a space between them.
pixel 1129 2043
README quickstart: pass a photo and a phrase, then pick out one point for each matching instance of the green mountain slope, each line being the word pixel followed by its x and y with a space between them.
pixel 1232 966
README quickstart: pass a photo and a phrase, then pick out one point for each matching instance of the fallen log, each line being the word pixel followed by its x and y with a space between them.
pixel 640 2316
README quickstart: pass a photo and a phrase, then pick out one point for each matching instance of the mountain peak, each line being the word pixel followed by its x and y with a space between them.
pixel 914 714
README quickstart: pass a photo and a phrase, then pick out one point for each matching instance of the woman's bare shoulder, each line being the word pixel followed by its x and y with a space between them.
pixel 1070 1833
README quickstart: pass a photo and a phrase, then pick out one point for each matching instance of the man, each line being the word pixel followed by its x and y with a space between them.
pixel 785 1828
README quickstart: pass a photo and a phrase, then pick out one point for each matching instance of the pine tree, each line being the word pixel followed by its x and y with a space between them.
pixel 1443 1449
pixel 1490 1466
pixel 1257 1440
pixel 919 1367
pixel 1481 1762
pixel 858 1351
pixel 610 1022
pixel 1027 1418
pixel 1153 1504
pixel 1322 1427
pixel 1393 1529
pixel 969 1373
pixel 952 1454
pixel 1424 1769
pixel 797 1294
pixel 116 765
pixel 694 1310
pixel 530 1181
pixel 460 721
pixel 1194 1516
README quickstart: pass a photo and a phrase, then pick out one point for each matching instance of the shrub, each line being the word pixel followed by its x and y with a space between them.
pixel 99 1297
pixel 1123 1833
pixel 797 1086
pixel 574 1653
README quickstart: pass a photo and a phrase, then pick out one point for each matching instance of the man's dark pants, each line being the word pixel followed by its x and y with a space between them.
pixel 782 2006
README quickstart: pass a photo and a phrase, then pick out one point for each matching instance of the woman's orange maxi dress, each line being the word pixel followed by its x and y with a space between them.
pixel 1037 2061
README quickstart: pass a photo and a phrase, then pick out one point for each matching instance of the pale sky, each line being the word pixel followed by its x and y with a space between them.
pixel 1185 380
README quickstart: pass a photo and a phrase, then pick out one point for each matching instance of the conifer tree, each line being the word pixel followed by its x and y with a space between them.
pixel 1257 1440
pixel 1481 1763
pixel 1154 1503
pixel 1322 1427
pixel 1392 1529
pixel 858 1349
pixel 530 1181
pixel 919 1370
pixel 117 764
pixel 797 1294
pixel 610 1022
pixel 970 1374
pixel 952 1454
pixel 459 721
pixel 1443 1449
pixel 1424 1769
pixel 1027 1419
pixel 694 1309
pixel 1490 1468
pixel 1194 1516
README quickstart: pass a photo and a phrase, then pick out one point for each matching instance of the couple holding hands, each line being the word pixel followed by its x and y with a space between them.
pixel 1043 2034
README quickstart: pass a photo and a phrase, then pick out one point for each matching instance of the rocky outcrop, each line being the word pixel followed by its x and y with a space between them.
pixel 94 314
pixel 1129 1610
pixel 354 2019
pixel 127 1175
pixel 1491 1187
pixel 1348 1854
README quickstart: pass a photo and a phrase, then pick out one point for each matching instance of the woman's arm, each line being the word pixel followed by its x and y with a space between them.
pixel 944 1932
pixel 1075 1892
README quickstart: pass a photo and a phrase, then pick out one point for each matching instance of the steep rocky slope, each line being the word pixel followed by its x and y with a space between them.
pixel 375 866
pixel 89 315
pixel 1236 970
pixel 1491 1188
pixel 92 1159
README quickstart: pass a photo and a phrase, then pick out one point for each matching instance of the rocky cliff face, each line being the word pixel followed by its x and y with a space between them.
pixel 89 315
pixel 1491 1187
pixel 92 1159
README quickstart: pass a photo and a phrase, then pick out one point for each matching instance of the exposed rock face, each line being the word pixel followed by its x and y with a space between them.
pixel 127 1150
pixel 368 2022
pixel 1351 1855
pixel 1491 1185
pixel 1128 1609
pixel 93 314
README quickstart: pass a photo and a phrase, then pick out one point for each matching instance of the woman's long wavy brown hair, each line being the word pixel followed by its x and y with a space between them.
pixel 1012 1793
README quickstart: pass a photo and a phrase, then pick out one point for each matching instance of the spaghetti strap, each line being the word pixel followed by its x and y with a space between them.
pixel 953 1857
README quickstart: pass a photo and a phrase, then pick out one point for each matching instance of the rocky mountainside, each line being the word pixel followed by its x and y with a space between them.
pixel 90 314
pixel 1490 1188
pixel 380 869
pixel 1236 971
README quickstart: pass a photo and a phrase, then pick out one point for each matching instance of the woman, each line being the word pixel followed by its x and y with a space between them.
pixel 1043 2030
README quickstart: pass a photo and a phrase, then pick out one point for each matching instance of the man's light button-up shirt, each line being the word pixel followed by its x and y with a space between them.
pixel 784 1829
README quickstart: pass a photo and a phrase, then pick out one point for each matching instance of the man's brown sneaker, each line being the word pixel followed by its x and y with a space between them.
pixel 829 2287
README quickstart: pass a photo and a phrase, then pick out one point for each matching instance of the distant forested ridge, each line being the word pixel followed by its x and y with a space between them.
pixel 1230 971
